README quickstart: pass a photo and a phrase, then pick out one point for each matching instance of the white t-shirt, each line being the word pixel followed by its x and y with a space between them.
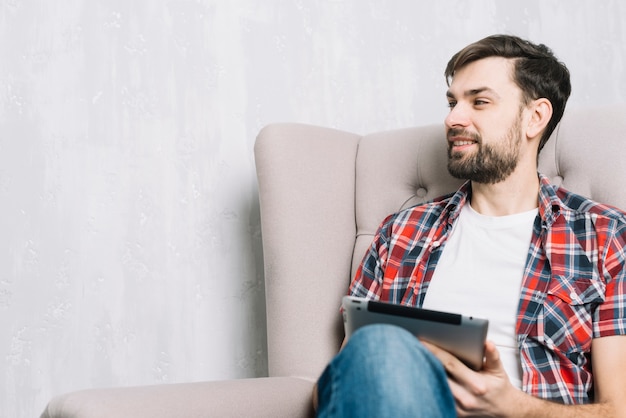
pixel 480 273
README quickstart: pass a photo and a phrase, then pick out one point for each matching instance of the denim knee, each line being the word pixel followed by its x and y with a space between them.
pixel 385 371
pixel 383 337
pixel 387 347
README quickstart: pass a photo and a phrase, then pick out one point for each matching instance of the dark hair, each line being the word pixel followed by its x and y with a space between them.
pixel 537 72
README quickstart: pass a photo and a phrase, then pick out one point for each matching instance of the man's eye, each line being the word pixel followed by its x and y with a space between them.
pixel 451 104
pixel 480 102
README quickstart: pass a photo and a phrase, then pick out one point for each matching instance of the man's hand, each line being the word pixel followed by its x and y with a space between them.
pixel 487 392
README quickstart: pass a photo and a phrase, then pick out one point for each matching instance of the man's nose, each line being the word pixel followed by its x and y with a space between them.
pixel 458 116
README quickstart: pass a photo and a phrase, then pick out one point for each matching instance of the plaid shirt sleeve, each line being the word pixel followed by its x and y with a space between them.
pixel 610 317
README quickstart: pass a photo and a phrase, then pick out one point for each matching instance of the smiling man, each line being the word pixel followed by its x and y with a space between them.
pixel 545 266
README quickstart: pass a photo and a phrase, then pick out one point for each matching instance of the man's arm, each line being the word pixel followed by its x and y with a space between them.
pixel 490 393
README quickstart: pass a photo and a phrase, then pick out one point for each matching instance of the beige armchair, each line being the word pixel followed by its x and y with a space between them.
pixel 323 193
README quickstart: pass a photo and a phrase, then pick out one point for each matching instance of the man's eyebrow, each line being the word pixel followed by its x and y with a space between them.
pixel 474 92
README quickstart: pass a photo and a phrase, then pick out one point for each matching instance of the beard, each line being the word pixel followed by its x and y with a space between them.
pixel 492 163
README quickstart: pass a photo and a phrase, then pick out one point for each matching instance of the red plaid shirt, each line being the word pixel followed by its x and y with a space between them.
pixel 573 290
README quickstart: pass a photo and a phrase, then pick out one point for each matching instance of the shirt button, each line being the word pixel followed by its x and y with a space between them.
pixel 573 296
pixel 436 244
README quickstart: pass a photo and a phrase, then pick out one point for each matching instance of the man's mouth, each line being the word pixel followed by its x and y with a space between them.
pixel 460 143
pixel 459 139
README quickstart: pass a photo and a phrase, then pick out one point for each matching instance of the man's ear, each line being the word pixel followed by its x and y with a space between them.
pixel 541 112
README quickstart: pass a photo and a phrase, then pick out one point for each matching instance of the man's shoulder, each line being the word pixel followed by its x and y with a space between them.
pixel 422 212
pixel 580 205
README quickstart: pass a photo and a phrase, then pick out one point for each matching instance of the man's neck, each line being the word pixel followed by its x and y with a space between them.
pixel 514 195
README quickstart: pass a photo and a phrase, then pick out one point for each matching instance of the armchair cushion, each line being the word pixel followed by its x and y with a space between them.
pixel 231 398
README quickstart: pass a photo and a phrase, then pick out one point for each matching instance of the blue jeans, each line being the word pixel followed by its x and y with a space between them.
pixel 384 371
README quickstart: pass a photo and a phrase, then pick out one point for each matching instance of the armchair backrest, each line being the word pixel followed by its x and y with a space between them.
pixel 323 193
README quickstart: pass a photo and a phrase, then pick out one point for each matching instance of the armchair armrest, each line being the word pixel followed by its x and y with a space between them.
pixel 269 397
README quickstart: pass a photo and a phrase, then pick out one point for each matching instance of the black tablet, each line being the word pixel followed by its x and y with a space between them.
pixel 461 335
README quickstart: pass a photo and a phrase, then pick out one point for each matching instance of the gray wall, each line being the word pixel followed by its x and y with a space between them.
pixel 129 226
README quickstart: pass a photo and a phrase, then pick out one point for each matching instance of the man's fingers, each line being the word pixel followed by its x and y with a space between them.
pixel 451 364
pixel 492 357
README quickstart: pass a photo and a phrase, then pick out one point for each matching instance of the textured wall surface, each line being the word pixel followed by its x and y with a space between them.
pixel 130 248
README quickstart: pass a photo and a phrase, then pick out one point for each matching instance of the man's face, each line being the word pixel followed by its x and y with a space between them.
pixel 484 126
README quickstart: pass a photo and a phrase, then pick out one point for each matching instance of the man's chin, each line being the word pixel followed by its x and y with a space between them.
pixel 457 169
pixel 459 174
pixel 469 173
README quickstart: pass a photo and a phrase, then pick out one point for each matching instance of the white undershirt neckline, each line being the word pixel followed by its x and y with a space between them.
pixel 480 273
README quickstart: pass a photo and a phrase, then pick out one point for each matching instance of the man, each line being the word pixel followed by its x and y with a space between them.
pixel 545 266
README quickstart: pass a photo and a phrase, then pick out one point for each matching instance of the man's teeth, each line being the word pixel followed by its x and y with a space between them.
pixel 461 143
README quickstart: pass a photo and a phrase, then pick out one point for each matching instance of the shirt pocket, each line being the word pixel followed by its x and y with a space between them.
pixel 566 323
